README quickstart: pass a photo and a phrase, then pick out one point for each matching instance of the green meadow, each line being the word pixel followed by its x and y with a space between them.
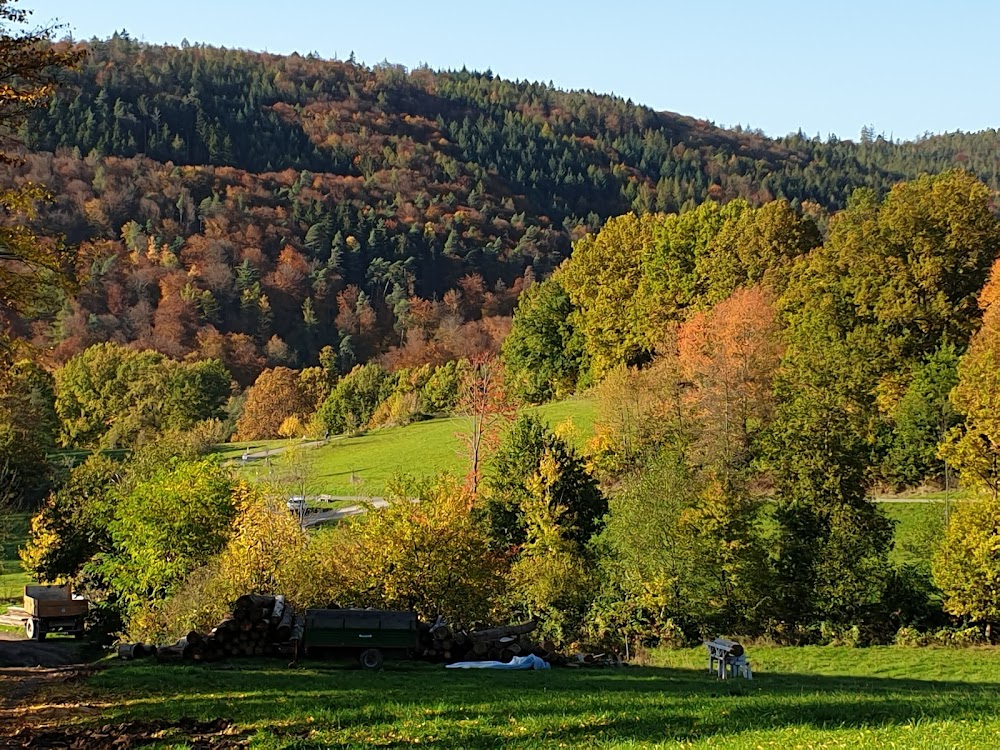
pixel 363 465
pixel 816 697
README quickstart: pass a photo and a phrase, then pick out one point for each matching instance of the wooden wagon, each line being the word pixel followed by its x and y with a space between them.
pixel 53 609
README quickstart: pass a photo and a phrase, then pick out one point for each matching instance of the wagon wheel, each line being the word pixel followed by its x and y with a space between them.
pixel 33 629
pixel 371 658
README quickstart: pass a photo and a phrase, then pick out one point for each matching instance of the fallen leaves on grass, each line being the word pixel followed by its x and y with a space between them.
pixel 219 734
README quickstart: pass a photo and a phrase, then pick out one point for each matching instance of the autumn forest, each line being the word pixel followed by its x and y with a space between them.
pixel 213 245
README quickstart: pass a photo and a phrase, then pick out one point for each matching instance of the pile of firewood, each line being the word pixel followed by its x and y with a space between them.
pixel 440 642
pixel 259 626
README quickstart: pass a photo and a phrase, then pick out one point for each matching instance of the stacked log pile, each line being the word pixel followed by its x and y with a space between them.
pixel 267 626
pixel 441 643
pixel 258 626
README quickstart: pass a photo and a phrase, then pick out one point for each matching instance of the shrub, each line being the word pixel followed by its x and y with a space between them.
pixel 910 637
pixel 427 556
pixel 165 526
pixel 965 565
pixel 353 401
pixel 439 395
pixel 397 410
pixel 966 637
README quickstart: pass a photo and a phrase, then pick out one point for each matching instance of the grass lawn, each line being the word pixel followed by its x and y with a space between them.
pixel 362 465
pixel 12 578
pixel 801 697
pixel 919 529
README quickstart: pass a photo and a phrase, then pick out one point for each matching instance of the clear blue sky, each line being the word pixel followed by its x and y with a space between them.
pixel 903 67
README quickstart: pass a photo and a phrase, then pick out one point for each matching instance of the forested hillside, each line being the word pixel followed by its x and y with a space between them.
pixel 258 208
pixel 769 330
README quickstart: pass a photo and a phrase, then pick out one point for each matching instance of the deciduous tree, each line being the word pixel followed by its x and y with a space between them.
pixel 544 353
pixel 275 396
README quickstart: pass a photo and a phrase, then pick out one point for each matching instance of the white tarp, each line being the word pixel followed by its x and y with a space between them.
pixel 518 662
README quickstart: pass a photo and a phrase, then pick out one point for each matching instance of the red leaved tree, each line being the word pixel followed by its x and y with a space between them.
pixel 728 356
pixel 485 402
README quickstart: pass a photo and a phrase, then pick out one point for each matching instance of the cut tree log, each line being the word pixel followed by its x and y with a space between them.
pixel 253 607
pixel 277 610
pixel 491 634
pixel 283 632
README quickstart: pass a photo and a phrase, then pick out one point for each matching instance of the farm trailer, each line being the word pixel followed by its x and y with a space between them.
pixel 53 609
pixel 369 634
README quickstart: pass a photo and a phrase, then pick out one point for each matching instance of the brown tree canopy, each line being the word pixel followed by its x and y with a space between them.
pixel 274 397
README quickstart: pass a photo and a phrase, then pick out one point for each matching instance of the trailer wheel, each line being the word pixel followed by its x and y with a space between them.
pixel 33 629
pixel 371 658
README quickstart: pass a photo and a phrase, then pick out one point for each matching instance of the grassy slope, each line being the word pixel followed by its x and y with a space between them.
pixel 362 465
pixel 802 697
pixel 919 528
pixel 12 578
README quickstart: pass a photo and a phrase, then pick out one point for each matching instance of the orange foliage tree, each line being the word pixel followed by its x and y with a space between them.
pixel 484 401
pixel 276 395
pixel 727 360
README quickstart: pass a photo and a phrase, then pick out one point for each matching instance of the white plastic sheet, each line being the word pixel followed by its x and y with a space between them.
pixel 518 662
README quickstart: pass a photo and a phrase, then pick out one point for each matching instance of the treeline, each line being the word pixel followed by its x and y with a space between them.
pixel 256 208
pixel 756 380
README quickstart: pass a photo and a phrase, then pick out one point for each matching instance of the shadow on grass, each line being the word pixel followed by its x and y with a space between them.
pixel 559 706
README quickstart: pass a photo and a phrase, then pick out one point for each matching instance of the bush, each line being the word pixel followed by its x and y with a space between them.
pixel 966 637
pixel 165 525
pixel 909 637
pixel 439 395
pixel 426 556
pixel 353 401
pixel 397 410
pixel 965 565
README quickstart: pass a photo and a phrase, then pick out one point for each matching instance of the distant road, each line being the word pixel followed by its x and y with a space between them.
pixel 358 506
pixel 275 451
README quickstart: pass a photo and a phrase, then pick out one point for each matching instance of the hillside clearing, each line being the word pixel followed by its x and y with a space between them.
pixel 362 466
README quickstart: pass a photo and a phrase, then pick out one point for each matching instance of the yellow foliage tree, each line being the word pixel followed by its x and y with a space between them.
pixel 966 565
pixel 259 557
pixel 550 579
pixel 974 448
pixel 423 552
pixel 603 279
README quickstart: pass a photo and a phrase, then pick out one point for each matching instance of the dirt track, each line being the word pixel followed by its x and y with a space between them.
pixel 16 651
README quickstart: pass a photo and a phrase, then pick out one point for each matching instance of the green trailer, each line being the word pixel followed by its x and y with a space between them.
pixel 369 634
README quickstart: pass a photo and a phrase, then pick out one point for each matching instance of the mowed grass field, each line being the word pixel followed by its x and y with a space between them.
pixel 362 466
pixel 817 697
pixel 12 578
pixel 919 529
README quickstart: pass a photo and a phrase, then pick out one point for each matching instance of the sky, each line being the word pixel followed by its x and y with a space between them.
pixel 904 68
